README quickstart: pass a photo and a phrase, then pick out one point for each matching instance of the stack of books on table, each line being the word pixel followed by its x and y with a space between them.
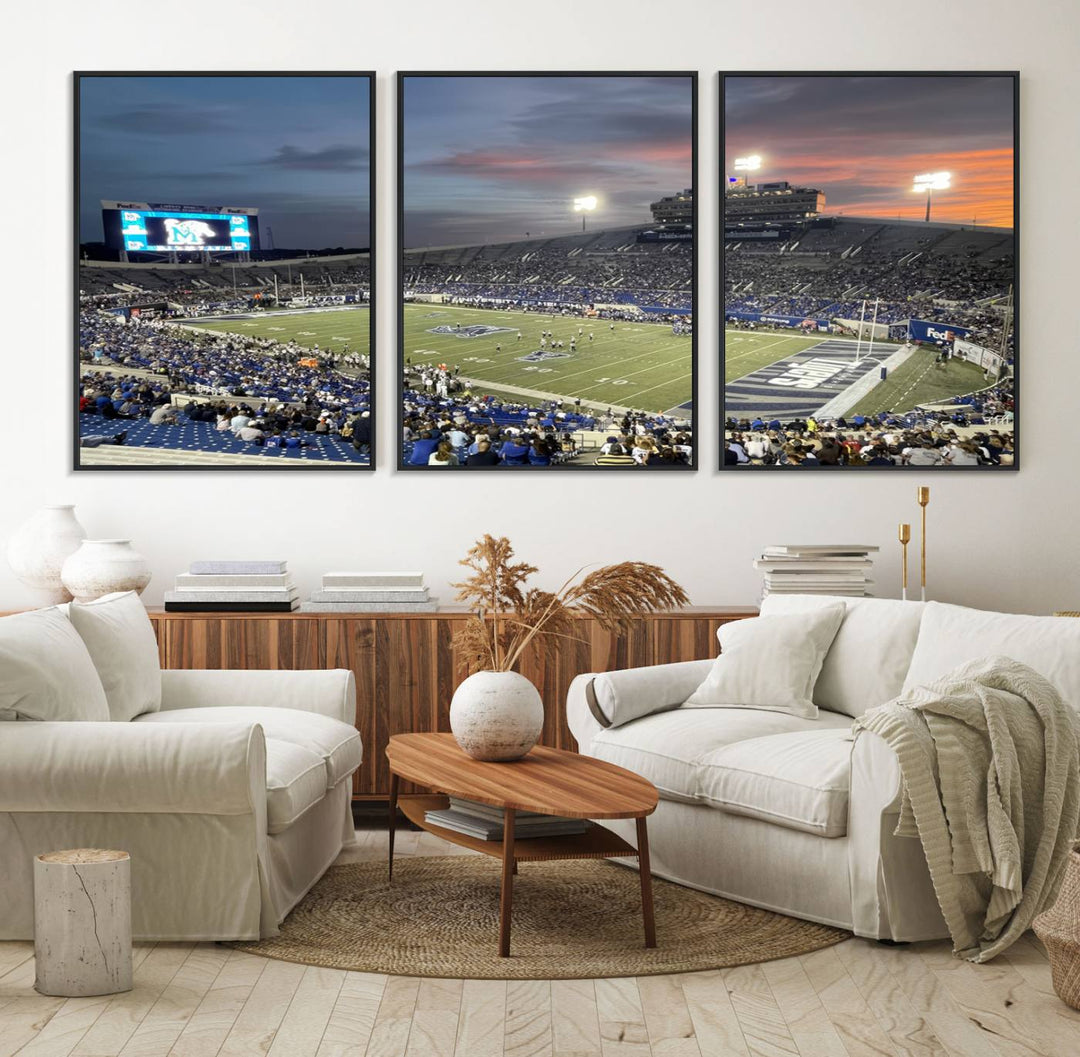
pixel 486 822
pixel 234 587
pixel 817 569
pixel 371 593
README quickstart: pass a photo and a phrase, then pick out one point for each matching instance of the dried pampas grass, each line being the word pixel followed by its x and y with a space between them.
pixel 507 615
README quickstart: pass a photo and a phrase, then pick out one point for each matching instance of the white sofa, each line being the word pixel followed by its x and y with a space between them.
pixel 794 814
pixel 232 793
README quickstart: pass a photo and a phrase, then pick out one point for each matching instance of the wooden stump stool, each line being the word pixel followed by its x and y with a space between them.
pixel 82 922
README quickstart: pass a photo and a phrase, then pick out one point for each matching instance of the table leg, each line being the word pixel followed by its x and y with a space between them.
pixel 646 882
pixel 393 822
pixel 506 895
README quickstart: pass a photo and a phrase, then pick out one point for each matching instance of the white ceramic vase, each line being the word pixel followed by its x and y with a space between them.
pixel 37 551
pixel 100 567
pixel 496 715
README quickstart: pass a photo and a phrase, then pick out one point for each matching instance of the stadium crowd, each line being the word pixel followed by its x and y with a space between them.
pixel 826 272
pixel 466 430
pixel 655 276
pixel 268 388
pixel 320 275
pixel 965 434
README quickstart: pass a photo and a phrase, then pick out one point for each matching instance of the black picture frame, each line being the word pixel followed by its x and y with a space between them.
pixel 402 76
pixel 275 465
pixel 847 471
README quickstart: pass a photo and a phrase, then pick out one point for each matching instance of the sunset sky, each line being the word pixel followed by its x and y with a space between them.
pixel 297 148
pixel 490 159
pixel 862 139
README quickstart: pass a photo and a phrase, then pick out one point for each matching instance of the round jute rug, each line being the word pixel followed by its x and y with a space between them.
pixel 575 918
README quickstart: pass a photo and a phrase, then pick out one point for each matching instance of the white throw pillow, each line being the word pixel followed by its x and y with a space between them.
pixel 770 663
pixel 121 641
pixel 45 670
pixel 869 657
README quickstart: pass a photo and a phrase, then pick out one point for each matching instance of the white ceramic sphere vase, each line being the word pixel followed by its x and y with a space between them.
pixel 496 715
pixel 101 567
pixel 38 549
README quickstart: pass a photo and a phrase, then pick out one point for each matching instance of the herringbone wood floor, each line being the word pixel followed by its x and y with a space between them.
pixel 857 999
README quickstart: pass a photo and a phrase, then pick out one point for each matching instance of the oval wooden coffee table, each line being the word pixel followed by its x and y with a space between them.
pixel 548 781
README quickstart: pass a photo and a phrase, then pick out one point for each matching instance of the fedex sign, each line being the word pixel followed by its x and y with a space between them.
pixel 925 330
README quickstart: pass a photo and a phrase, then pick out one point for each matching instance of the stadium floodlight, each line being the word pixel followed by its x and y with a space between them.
pixel 750 163
pixel 930 182
pixel 585 205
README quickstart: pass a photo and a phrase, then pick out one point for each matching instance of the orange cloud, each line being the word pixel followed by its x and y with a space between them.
pixel 879 184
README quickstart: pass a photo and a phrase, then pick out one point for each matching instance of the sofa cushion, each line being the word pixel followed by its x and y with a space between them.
pixel 668 748
pixel 336 743
pixel 953 635
pixel 799 780
pixel 45 670
pixel 869 658
pixel 295 780
pixel 770 662
pixel 121 642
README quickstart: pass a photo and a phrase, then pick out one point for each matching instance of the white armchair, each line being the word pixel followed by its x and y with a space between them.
pixel 232 799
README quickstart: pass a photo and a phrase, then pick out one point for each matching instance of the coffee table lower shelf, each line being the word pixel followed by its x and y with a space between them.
pixel 596 842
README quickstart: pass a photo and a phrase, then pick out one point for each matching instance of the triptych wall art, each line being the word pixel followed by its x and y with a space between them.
pixel 224 225
pixel 869 270
pixel 547 271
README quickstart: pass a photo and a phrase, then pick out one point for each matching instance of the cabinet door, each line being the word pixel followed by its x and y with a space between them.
pixel 242 642
pixel 350 643
pixel 672 639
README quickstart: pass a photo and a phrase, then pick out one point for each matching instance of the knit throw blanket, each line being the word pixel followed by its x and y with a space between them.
pixel 990 761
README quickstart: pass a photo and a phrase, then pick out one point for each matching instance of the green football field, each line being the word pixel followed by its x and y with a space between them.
pixel 330 328
pixel 919 380
pixel 639 365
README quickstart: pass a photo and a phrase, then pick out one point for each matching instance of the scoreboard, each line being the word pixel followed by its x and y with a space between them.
pixel 148 227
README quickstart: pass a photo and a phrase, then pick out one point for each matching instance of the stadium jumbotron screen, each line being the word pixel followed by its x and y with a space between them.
pixel 156 231
pixel 870 278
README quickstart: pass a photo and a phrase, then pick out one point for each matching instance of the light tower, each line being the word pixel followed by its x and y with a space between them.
pixel 750 164
pixel 929 183
pixel 585 205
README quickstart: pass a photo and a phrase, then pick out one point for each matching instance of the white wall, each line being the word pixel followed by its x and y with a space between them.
pixel 999 540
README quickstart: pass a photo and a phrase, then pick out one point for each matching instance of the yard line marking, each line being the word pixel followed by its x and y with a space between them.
pixel 762 348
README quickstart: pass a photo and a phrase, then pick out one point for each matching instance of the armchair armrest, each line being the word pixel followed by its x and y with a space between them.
pixel 610 699
pixel 330 692
pixel 187 768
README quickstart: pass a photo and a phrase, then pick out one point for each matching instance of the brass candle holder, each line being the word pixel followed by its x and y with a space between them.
pixel 904 535
pixel 923 497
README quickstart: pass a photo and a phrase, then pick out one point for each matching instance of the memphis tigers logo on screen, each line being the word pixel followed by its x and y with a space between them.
pixel 538 355
pixel 477 330
pixel 179 232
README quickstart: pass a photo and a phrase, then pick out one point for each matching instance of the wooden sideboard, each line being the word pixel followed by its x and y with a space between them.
pixel 406 667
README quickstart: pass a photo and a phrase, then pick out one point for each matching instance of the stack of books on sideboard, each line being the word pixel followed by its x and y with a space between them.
pixel 234 587
pixel 817 569
pixel 371 592
pixel 485 822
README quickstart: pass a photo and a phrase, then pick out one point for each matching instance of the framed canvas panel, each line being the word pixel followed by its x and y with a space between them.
pixel 224 240
pixel 547 271
pixel 869 271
